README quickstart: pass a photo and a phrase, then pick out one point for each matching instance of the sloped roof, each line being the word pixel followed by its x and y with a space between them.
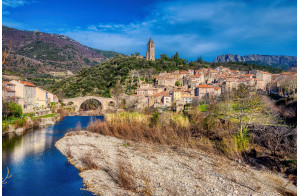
pixel 197 75
pixel 8 83
pixel 7 89
pixel 27 83
pixel 204 86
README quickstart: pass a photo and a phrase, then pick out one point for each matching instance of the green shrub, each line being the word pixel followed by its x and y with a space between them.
pixel 20 122
pixel 154 119
pixel 179 120
pixel 5 125
pixel 14 109
pixel 241 140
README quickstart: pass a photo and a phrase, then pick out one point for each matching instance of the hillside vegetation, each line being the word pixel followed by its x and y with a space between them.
pixel 99 80
pixel 34 52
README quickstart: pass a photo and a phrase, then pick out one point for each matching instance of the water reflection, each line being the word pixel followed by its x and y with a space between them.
pixel 22 146
pixel 34 161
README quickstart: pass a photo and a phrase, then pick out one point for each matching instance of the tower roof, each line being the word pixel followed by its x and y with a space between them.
pixel 151 41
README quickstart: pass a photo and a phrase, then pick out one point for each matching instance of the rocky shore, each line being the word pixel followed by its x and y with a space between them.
pixel 41 122
pixel 111 166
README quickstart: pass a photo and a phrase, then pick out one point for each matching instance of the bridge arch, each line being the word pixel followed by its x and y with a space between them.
pixel 112 103
pixel 90 104
pixel 105 102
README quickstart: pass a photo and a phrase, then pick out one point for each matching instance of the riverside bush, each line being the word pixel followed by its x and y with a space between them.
pixel 20 123
pixel 126 117
pixel 5 125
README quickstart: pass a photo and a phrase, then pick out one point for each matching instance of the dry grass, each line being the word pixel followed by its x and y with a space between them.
pixel 62 113
pixel 126 117
pixel 140 131
pixel 146 189
pixel 87 160
pixel 126 176
pixel 284 192
pixel 78 126
pixel 69 153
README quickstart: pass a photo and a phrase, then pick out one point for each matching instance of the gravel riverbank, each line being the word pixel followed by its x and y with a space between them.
pixel 111 166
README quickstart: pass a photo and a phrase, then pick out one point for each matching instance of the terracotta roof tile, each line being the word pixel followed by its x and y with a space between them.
pixel 204 86
pixel 27 84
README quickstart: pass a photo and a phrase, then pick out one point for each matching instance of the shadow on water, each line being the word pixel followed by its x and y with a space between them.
pixel 37 166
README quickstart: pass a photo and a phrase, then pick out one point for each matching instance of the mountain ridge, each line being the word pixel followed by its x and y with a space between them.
pixel 48 52
pixel 278 61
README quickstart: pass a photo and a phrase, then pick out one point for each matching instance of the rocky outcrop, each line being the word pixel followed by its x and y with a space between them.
pixel 284 62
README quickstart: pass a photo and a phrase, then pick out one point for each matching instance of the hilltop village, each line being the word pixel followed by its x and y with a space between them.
pixel 175 90
pixel 181 88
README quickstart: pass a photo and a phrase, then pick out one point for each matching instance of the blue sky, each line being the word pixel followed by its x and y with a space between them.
pixel 204 28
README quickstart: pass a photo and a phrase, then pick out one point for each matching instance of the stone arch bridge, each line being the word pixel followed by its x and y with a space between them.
pixel 104 102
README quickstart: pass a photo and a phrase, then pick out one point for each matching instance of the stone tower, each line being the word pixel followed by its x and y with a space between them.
pixel 150 50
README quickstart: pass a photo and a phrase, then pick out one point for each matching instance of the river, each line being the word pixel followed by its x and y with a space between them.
pixel 37 166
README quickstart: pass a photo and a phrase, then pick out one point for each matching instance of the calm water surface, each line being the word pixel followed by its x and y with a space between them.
pixel 37 166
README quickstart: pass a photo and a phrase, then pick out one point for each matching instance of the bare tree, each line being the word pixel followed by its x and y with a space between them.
pixel 276 138
pixel 5 55
pixel 117 92
pixel 196 102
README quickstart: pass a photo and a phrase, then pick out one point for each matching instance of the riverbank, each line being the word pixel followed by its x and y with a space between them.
pixel 31 123
pixel 111 166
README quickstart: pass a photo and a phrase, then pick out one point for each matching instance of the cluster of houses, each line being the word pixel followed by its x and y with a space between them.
pixel 29 96
pixel 180 88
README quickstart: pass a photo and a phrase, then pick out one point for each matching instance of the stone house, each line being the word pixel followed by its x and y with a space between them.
pixel 40 98
pixel 148 91
pixel 167 100
pixel 184 74
pixel 198 78
pixel 191 72
pixel 156 99
pixel 145 85
pixel 166 80
pixel 8 91
pixel 205 90
pixel 25 92
pixel 176 95
pixel 187 99
pixel 265 76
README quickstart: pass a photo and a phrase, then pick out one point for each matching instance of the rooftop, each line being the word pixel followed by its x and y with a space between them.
pixel 27 84
pixel 8 83
pixel 204 86
pixel 7 89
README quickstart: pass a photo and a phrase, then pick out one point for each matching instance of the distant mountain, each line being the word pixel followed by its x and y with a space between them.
pixel 283 62
pixel 34 52
pixel 107 54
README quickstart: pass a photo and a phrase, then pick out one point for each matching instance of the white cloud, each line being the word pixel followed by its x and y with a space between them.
pixel 14 3
pixel 198 28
